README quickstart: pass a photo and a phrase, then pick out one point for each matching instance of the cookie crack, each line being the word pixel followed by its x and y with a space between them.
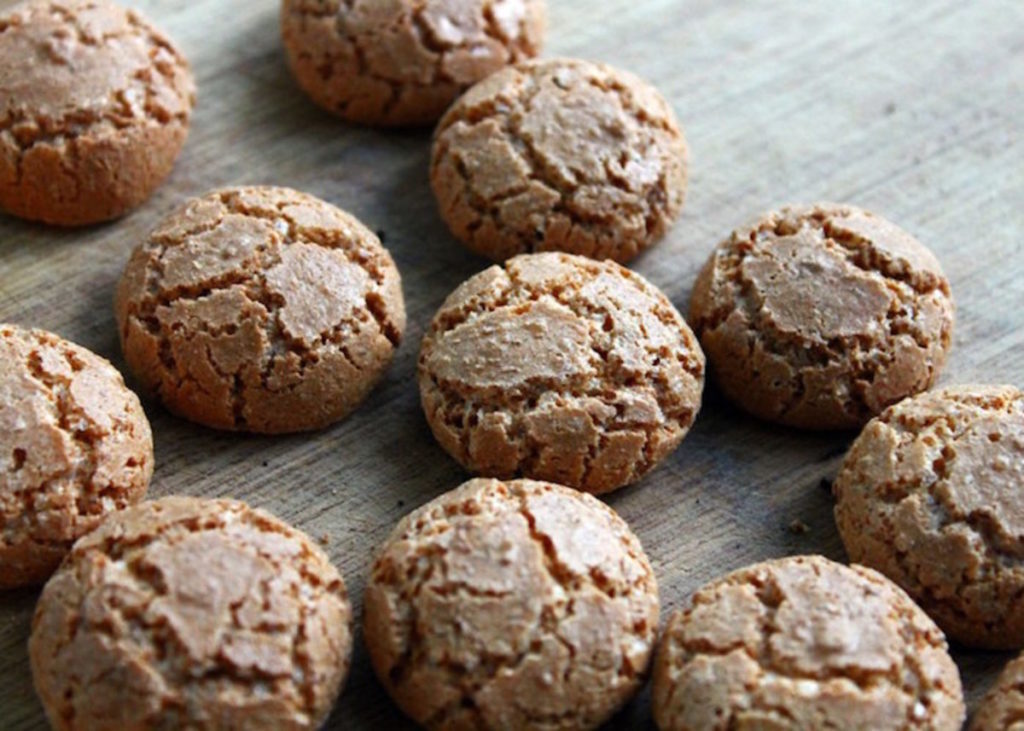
pixel 293 233
pixel 772 598
pixel 863 254
pixel 73 421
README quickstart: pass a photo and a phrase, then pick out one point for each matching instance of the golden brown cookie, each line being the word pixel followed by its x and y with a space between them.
pixel 510 606
pixel 191 613
pixel 560 368
pixel 1002 708
pixel 75 446
pixel 400 62
pixel 560 155
pixel 95 109
pixel 820 317
pixel 804 643
pixel 932 495
pixel 260 309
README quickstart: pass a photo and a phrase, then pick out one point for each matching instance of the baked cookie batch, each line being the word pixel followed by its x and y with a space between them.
pixel 517 600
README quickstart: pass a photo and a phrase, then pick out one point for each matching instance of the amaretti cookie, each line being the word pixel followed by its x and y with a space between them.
pixel 95 104
pixel 820 317
pixel 932 495
pixel 400 62
pixel 75 447
pixel 260 309
pixel 804 643
pixel 191 613
pixel 560 368
pixel 1002 708
pixel 560 155
pixel 511 605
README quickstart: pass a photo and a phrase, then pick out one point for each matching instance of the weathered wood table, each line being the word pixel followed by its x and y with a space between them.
pixel 913 109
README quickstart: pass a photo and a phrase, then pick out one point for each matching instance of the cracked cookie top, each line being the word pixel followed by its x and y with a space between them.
pixel 403 62
pixel 560 155
pixel 561 368
pixel 932 495
pixel 85 84
pixel 75 446
pixel 511 605
pixel 191 613
pixel 820 317
pixel 260 309
pixel 1002 708
pixel 804 643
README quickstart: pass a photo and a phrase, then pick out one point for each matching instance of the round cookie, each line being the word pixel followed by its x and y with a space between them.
pixel 1002 708
pixel 260 309
pixel 560 155
pixel 804 643
pixel 932 495
pixel 399 62
pixel 511 605
pixel 820 317
pixel 560 368
pixel 191 613
pixel 75 446
pixel 96 106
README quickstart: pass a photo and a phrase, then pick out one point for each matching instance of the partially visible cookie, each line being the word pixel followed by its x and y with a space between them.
pixel 511 606
pixel 560 368
pixel 95 105
pixel 560 155
pixel 932 495
pixel 820 317
pixel 191 613
pixel 75 447
pixel 400 62
pixel 260 309
pixel 804 643
pixel 1002 708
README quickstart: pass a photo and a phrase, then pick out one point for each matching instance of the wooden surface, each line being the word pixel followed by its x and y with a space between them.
pixel 910 108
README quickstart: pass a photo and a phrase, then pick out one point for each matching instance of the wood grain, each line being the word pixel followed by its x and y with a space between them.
pixel 911 109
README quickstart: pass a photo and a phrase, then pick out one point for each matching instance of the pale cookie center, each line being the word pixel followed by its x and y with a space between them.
pixel 812 292
pixel 987 476
pixel 819 628
pixel 320 288
pixel 455 22
pixel 206 608
pixel 508 348
pixel 205 257
pixel 576 131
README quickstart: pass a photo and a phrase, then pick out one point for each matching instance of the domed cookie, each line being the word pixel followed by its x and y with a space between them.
pixel 804 643
pixel 96 106
pixel 75 446
pixel 399 62
pixel 262 310
pixel 820 317
pixel 191 613
pixel 511 605
pixel 1002 708
pixel 560 155
pixel 560 368
pixel 932 495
